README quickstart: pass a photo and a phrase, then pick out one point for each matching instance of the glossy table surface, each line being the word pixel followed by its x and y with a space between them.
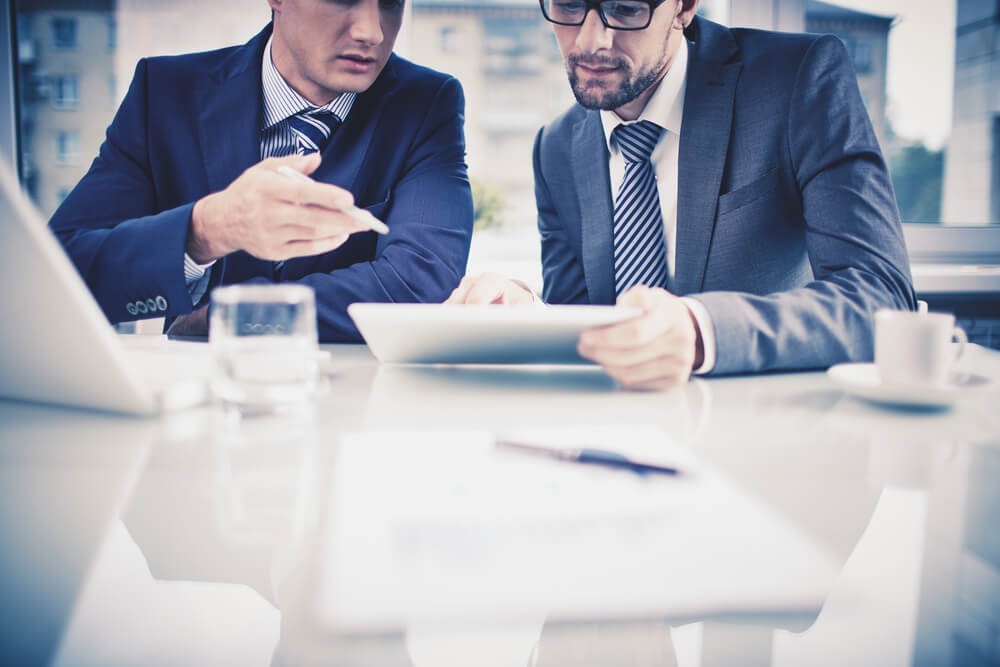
pixel 195 539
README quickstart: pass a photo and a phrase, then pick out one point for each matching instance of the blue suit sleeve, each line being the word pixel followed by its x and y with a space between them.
pixel 126 249
pixel 430 216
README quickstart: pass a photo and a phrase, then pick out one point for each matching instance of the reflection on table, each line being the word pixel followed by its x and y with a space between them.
pixel 197 539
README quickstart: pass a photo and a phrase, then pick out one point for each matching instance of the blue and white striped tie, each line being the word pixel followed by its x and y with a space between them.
pixel 640 247
pixel 313 130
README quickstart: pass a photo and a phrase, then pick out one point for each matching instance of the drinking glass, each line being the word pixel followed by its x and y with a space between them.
pixel 264 342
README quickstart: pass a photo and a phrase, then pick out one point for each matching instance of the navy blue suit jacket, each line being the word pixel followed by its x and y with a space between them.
pixel 191 124
pixel 787 225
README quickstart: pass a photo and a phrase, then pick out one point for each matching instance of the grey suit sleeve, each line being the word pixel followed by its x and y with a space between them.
pixel 853 237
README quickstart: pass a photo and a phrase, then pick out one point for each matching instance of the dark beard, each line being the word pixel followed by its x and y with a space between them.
pixel 591 98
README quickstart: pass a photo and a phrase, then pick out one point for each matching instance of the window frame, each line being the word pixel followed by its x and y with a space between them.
pixel 10 148
pixel 60 83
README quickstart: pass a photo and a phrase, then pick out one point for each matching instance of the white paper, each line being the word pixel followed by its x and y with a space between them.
pixel 446 527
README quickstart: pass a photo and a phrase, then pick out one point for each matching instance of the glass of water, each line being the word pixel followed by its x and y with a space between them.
pixel 264 341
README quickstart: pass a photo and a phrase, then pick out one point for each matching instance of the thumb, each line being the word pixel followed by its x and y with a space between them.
pixel 305 164
pixel 635 297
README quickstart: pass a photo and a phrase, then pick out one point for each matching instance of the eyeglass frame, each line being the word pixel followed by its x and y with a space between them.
pixel 596 4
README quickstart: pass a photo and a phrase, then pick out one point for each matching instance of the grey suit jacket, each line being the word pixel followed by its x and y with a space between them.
pixel 787 225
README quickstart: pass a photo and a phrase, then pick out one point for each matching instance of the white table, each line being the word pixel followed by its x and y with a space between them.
pixel 185 540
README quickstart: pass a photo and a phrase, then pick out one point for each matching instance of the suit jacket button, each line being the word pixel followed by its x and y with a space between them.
pixel 161 303
pixel 130 307
pixel 140 307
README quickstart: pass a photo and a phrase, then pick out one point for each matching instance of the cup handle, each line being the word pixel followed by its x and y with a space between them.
pixel 958 334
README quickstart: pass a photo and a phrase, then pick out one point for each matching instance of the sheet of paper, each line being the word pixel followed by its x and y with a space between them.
pixel 446 527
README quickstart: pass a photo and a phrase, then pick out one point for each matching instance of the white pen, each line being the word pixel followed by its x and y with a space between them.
pixel 359 215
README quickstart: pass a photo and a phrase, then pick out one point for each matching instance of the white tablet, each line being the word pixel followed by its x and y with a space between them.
pixel 413 333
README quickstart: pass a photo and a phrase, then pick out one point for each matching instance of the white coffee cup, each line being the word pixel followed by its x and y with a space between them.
pixel 915 349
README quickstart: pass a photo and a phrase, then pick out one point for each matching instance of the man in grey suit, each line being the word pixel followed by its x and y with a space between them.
pixel 761 236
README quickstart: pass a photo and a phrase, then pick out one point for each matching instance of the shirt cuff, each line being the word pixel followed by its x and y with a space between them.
pixel 704 321
pixel 193 271
pixel 196 278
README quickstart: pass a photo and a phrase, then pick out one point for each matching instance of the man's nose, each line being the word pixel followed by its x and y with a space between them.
pixel 593 35
pixel 366 25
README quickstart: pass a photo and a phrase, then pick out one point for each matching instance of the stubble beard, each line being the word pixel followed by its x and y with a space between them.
pixel 596 94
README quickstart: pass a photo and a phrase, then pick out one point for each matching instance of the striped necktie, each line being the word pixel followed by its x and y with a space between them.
pixel 639 244
pixel 313 129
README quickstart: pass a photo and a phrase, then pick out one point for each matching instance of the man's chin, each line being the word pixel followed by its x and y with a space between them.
pixel 593 97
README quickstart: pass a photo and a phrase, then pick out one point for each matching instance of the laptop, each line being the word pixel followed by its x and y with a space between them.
pixel 56 345
pixel 424 333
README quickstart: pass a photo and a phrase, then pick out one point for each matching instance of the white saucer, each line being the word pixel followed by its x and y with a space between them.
pixel 862 380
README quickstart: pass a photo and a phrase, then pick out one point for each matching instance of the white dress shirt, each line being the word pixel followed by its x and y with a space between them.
pixel 666 109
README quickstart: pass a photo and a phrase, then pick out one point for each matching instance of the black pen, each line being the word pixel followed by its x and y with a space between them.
pixel 593 456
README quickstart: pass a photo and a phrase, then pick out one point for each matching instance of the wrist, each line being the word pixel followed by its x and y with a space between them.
pixel 201 246
pixel 699 343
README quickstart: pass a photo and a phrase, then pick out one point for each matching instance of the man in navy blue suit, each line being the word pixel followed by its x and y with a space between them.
pixel 727 182
pixel 186 192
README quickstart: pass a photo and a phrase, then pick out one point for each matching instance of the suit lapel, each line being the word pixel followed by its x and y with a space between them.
pixel 704 144
pixel 345 155
pixel 590 163
pixel 231 114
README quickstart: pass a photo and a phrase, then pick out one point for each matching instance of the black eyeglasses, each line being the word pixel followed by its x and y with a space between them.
pixel 615 14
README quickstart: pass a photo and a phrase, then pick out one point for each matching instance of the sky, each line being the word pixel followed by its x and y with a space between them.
pixel 921 65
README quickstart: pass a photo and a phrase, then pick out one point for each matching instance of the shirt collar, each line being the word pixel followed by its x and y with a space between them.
pixel 282 102
pixel 665 106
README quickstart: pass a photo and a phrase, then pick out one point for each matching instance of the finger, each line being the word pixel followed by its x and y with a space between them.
pixel 304 164
pixel 313 247
pixel 625 335
pixel 488 291
pixel 515 295
pixel 661 373
pixel 464 285
pixel 305 191
pixel 661 346
pixel 281 222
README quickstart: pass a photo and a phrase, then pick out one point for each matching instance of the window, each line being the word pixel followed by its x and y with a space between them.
pixel 449 39
pixel 927 73
pixel 64 91
pixel 64 33
pixel 862 57
pixel 67 147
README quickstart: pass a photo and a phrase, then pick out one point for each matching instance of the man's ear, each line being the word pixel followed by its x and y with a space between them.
pixel 688 8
